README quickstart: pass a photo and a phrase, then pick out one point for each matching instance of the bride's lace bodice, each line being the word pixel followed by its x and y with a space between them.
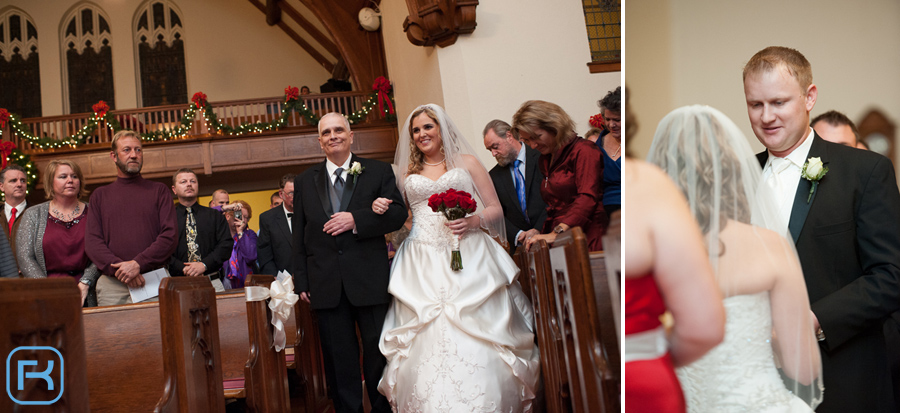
pixel 739 375
pixel 428 226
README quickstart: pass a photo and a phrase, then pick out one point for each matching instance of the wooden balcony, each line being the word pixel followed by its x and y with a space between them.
pixel 237 163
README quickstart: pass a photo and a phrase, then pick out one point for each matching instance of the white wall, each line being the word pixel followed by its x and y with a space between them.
pixel 520 50
pixel 230 51
pixel 692 52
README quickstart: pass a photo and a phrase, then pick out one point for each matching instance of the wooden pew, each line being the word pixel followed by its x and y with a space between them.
pixel 308 361
pixel 593 383
pixel 265 370
pixel 124 349
pixel 191 352
pixel 536 268
pixel 43 312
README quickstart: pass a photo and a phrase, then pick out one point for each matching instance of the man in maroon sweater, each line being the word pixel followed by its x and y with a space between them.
pixel 131 224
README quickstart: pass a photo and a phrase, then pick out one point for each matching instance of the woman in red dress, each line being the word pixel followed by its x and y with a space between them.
pixel 573 170
pixel 667 270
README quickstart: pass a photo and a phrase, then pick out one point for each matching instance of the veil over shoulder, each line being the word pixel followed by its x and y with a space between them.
pixel 458 154
pixel 768 344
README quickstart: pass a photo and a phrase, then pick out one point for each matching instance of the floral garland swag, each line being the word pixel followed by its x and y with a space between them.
pixel 381 95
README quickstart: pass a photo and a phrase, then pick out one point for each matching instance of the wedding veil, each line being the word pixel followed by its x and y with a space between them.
pixel 709 158
pixel 455 149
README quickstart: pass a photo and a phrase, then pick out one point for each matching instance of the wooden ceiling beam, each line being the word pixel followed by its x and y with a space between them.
pixel 273 12
pixel 328 65
pixel 309 28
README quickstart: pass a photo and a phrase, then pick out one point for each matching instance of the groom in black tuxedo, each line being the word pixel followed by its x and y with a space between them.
pixel 340 260
pixel 847 233
pixel 510 152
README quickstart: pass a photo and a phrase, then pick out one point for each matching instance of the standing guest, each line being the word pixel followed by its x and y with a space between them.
pixel 274 243
pixel 51 235
pixel 573 170
pixel 834 126
pixel 611 146
pixel 275 200
pixel 304 90
pixel 204 242
pixel 14 184
pixel 844 226
pixel 131 226
pixel 667 271
pixel 340 260
pixel 243 254
pixel 517 180
pixel 219 198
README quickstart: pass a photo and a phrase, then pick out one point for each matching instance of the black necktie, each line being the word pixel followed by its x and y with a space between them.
pixel 338 189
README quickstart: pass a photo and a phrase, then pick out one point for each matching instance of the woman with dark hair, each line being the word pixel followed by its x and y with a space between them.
pixel 573 171
pixel 50 240
pixel 611 146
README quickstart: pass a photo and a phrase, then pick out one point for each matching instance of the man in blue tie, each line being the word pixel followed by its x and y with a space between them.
pixel 517 180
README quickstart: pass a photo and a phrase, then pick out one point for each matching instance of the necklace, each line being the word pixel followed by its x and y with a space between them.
pixel 434 164
pixel 618 149
pixel 67 217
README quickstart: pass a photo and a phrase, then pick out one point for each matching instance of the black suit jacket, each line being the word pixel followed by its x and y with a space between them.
pixel 357 263
pixel 509 199
pixel 213 239
pixel 273 247
pixel 848 240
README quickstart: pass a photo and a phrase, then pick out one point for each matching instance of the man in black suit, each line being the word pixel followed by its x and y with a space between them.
pixel 204 251
pixel 846 230
pixel 515 162
pixel 340 260
pixel 273 246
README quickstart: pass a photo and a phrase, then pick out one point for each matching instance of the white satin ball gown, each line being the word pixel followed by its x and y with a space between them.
pixel 455 340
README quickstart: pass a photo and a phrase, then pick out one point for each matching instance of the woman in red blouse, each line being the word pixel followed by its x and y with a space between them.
pixel 573 170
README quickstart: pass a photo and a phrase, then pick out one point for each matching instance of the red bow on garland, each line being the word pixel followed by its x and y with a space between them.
pixel 382 86
pixel 597 121
pixel 100 108
pixel 199 99
pixel 291 93
pixel 4 117
pixel 6 149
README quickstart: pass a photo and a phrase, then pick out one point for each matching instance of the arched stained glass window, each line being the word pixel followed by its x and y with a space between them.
pixel 87 55
pixel 20 77
pixel 159 44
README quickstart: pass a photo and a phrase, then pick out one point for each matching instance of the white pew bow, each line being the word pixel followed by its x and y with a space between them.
pixel 281 301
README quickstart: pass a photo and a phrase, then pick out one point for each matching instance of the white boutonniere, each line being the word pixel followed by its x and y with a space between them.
pixel 813 171
pixel 355 170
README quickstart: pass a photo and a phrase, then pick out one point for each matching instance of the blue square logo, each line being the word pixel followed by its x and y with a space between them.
pixel 34 375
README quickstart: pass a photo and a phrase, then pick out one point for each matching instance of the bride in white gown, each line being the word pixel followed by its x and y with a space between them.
pixel 454 340
pixel 769 360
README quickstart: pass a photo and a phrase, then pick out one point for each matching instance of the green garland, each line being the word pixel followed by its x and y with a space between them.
pixel 291 105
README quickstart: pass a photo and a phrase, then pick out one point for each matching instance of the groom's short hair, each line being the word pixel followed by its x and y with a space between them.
pixel 774 57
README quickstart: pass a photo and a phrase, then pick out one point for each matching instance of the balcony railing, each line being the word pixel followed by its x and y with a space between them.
pixel 168 118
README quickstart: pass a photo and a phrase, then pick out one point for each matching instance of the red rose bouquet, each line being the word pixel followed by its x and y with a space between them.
pixel 454 205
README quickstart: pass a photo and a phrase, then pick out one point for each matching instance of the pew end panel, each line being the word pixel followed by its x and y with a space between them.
pixel 44 313
pixel 191 351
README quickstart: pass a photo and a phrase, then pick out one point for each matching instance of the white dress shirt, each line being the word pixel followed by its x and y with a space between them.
pixel 7 208
pixel 783 176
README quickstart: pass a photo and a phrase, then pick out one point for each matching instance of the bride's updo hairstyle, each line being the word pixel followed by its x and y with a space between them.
pixel 539 114
pixel 692 145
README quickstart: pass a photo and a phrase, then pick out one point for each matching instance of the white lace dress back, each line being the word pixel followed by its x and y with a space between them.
pixel 715 383
pixel 455 340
